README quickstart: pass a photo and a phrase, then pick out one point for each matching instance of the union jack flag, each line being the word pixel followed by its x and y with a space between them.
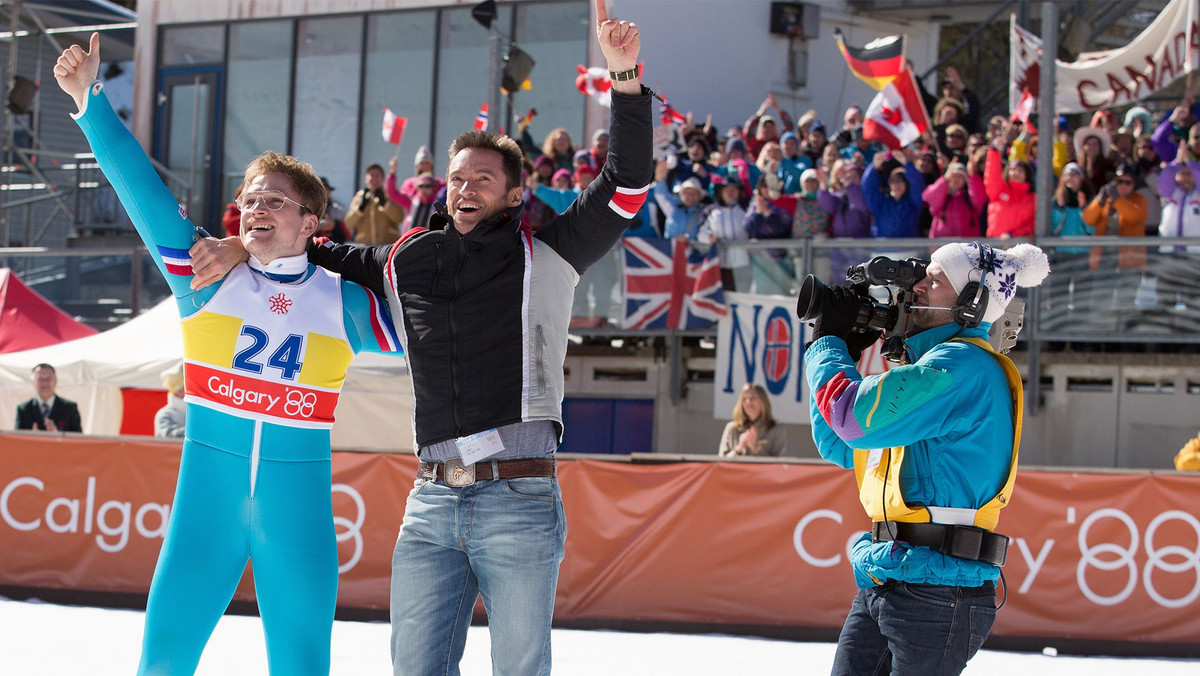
pixel 670 286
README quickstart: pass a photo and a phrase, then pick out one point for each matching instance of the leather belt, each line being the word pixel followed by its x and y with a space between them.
pixel 964 542
pixel 455 473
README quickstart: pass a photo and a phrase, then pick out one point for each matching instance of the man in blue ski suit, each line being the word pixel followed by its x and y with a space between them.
pixel 933 444
pixel 266 353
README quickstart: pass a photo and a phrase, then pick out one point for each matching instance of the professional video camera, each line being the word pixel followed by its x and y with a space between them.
pixel 892 317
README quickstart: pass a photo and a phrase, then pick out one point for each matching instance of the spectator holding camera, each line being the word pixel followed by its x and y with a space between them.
pixel 753 431
pixel 944 425
pixel 373 217
pixel 1118 210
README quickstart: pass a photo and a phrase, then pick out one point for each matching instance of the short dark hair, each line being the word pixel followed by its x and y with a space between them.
pixel 510 152
pixel 376 167
pixel 43 366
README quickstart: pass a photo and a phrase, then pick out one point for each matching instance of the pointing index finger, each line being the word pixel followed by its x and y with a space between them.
pixel 601 12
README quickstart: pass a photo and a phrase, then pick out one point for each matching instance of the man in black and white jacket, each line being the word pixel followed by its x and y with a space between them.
pixel 484 305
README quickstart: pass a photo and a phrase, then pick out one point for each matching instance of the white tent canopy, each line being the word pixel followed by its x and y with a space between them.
pixel 374 412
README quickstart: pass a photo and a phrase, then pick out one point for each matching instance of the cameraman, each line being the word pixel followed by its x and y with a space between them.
pixel 374 218
pixel 943 429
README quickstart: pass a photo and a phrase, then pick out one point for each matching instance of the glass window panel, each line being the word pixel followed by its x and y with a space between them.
pixel 189 138
pixel 258 96
pixel 462 75
pixel 194 45
pixel 399 76
pixel 325 132
pixel 556 35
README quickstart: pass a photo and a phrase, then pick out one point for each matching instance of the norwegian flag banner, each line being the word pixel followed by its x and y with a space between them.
pixel 760 340
pixel 670 286
pixel 481 120
pixel 393 127
pixel 896 116
pixel 672 116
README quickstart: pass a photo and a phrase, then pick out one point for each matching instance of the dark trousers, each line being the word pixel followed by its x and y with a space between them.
pixel 905 629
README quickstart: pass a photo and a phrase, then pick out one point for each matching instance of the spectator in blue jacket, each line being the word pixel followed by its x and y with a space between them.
pixel 793 163
pixel 684 213
pixel 897 212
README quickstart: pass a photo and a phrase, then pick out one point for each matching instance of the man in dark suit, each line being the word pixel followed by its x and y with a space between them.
pixel 47 411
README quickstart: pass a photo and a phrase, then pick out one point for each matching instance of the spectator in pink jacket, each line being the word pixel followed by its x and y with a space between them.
pixel 1011 201
pixel 955 203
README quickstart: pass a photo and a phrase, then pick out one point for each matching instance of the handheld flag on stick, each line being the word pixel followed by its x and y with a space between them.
pixel 669 114
pixel 481 120
pixel 393 127
pixel 1023 110
pixel 878 63
pixel 896 116
pixel 526 120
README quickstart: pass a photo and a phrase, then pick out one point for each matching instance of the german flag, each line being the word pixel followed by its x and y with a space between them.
pixel 877 64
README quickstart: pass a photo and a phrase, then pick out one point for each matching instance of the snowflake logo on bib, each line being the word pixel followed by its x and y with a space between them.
pixel 280 304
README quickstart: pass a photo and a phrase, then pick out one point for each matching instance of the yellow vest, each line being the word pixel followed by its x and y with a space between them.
pixel 878 471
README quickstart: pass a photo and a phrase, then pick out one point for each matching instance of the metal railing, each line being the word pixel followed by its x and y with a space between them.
pixel 80 200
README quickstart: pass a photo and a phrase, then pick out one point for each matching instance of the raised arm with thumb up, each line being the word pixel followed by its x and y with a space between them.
pixel 75 70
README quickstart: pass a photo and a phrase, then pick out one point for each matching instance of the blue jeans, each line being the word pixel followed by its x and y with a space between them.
pixel 502 539
pixel 906 629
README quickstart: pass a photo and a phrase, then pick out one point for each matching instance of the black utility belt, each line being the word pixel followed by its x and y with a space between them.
pixel 964 542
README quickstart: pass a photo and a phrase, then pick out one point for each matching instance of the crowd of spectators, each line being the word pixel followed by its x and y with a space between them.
pixel 775 177
pixel 1127 174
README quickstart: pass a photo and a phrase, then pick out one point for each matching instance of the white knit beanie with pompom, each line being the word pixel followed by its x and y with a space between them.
pixel 1023 265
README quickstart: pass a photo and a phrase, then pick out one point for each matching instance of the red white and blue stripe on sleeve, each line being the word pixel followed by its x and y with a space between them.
pixel 627 201
pixel 382 326
pixel 176 261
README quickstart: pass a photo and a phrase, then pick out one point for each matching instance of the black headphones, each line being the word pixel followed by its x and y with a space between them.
pixel 973 300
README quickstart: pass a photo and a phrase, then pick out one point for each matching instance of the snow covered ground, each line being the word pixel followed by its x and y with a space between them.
pixel 41 639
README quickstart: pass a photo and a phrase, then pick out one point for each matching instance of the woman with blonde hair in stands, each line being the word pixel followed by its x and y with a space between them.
pixel 753 430
pixel 559 148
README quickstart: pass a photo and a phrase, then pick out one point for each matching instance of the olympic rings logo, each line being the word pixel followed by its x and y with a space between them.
pixel 352 527
pixel 1156 558
pixel 300 403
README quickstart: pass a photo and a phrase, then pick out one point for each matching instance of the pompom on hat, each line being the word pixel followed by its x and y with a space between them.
pixel 422 155
pixel 1023 265
pixel 172 378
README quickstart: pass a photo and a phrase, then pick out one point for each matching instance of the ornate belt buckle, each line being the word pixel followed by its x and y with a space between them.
pixel 457 474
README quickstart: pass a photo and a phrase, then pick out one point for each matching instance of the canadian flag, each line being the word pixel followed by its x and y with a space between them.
pixel 393 127
pixel 1025 108
pixel 594 82
pixel 896 117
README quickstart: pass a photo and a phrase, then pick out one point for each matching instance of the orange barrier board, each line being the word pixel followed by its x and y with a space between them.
pixel 702 542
